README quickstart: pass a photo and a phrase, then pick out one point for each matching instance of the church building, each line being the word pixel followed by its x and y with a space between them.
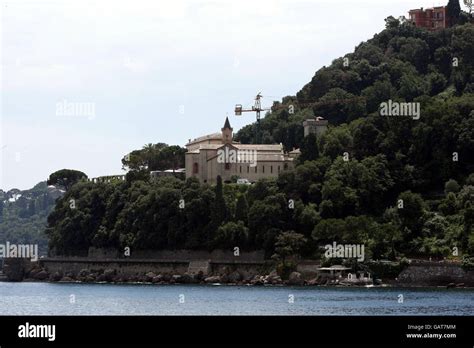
pixel 218 154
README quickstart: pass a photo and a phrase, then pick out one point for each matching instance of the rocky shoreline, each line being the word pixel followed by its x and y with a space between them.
pixel 418 274
pixel 38 274
pixel 111 276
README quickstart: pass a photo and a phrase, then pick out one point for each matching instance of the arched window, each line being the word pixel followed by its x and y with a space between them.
pixel 195 168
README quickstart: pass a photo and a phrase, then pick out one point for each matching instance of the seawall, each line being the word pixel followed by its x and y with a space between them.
pixel 429 273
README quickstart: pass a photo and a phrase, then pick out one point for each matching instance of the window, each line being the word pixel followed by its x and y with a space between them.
pixel 271 169
pixel 195 168
pixel 278 169
pixel 227 166
pixel 240 169
pixel 248 169
pixel 256 169
pixel 263 169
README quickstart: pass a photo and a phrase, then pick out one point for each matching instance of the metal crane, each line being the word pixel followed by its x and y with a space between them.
pixel 257 107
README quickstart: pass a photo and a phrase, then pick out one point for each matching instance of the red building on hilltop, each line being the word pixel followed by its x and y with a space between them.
pixel 434 18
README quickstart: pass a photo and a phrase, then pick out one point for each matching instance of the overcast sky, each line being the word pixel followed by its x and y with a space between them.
pixel 155 71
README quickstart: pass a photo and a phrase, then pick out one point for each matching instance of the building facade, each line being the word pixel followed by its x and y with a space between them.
pixel 315 126
pixel 434 18
pixel 218 154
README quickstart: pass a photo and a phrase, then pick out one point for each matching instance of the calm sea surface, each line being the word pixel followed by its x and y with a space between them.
pixel 103 299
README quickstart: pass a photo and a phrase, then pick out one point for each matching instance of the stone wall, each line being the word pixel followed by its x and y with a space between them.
pixel 242 267
pixel 129 267
pixel 121 267
pixel 425 273
pixel 180 255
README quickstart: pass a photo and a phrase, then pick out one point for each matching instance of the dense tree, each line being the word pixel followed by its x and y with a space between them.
pixel 289 244
pixel 231 235
pixel 219 211
pixel 309 149
pixel 241 209
pixel 66 178
pixel 158 156
pixel 453 10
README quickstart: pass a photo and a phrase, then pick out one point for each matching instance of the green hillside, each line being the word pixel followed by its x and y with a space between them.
pixel 406 189
pixel 23 215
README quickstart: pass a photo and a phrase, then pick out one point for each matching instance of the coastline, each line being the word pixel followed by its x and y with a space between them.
pixel 418 274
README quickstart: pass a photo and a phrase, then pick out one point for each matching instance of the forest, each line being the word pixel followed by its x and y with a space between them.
pixel 402 187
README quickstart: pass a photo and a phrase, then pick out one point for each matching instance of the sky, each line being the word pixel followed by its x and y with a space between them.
pixel 82 83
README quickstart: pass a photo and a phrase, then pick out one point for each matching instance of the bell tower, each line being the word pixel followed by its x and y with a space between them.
pixel 227 132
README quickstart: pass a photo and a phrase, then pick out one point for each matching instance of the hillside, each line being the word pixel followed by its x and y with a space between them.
pixel 23 215
pixel 402 63
pixel 399 185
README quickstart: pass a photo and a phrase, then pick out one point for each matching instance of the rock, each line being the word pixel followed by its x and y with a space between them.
pixel 313 282
pixel 460 285
pixel 273 278
pixel 167 277
pixel 32 274
pixel 149 276
pixel 451 285
pixel 234 277
pixel 90 278
pixel 213 279
pixel 273 274
pixel 109 274
pixel 133 279
pixel 119 279
pixel 143 279
pixel 258 280
pixel 248 277
pixel 177 278
pixel 84 273
pixel 188 279
pixel 157 279
pixel 66 279
pixel 101 278
pixel 277 280
pixel 41 275
pixel 295 279
pixel 199 276
pixel 55 277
